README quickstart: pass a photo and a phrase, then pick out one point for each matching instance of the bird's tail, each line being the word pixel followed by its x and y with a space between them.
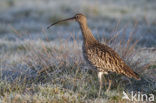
pixel 136 76
pixel 130 73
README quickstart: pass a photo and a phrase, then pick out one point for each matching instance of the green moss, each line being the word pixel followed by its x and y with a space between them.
pixel 152 67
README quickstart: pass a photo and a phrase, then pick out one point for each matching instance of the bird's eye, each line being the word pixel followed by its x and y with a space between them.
pixel 77 16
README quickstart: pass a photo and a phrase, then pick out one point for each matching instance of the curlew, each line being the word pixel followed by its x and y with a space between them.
pixel 98 55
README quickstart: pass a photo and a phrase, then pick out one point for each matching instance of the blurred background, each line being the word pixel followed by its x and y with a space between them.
pixel 46 66
pixel 28 19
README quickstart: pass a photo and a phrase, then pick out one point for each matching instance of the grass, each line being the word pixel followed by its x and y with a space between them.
pixel 54 73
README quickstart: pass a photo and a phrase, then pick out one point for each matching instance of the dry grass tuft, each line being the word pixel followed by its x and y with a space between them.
pixel 57 73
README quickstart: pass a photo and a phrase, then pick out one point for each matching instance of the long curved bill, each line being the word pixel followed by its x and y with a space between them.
pixel 73 18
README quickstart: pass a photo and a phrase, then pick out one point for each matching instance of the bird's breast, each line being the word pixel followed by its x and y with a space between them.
pixel 87 54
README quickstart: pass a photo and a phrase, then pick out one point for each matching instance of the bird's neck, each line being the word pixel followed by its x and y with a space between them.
pixel 87 34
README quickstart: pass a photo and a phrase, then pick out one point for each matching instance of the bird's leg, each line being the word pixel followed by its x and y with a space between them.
pixel 109 85
pixel 100 74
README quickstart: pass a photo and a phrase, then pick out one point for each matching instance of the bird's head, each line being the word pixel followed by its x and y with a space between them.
pixel 80 18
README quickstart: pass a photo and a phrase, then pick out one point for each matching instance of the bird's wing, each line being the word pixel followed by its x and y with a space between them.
pixel 106 59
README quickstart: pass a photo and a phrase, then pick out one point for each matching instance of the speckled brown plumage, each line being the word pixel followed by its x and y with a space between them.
pixel 100 56
pixel 104 59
